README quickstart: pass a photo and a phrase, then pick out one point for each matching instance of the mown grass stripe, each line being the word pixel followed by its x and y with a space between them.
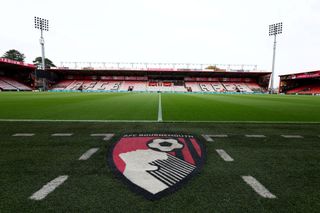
pixel 49 187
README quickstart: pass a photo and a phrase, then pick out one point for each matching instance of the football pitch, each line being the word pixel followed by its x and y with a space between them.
pixel 273 139
pixel 147 107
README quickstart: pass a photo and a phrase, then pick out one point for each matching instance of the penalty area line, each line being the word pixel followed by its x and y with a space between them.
pixel 48 188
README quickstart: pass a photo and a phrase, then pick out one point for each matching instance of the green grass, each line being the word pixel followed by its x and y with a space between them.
pixel 78 106
pixel 241 108
pixel 289 168
pixel 175 107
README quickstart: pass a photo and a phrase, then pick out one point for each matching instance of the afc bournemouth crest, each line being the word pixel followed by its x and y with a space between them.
pixel 155 165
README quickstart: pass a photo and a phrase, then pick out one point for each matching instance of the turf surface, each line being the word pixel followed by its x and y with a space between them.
pixel 78 106
pixel 289 168
pixel 193 107
pixel 175 107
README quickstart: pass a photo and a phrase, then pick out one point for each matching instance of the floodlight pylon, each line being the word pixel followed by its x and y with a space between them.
pixel 274 30
pixel 42 25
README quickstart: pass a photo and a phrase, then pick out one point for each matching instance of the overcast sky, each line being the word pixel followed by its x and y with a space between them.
pixel 185 31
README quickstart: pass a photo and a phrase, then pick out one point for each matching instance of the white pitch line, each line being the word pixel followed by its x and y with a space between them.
pixel 255 136
pixel 258 187
pixel 23 135
pixel 107 136
pixel 78 121
pixel 88 154
pixel 154 121
pixel 62 134
pixel 208 138
pixel 224 155
pixel 218 136
pixel 292 136
pixel 48 188
pixel 160 109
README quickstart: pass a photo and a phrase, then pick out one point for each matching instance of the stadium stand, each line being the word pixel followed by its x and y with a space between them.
pixel 306 83
pixel 255 87
pixel 217 86
pixel 206 87
pixel 242 87
pixel 230 87
pixel 157 86
pixel 62 85
pixel 19 76
pixel 193 87
pixel 306 90
pixel 74 85
pixel 9 84
pixel 6 87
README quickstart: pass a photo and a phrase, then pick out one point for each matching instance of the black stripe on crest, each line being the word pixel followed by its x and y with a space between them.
pixel 193 151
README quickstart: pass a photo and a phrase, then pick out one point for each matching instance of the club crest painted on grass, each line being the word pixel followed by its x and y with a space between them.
pixel 155 165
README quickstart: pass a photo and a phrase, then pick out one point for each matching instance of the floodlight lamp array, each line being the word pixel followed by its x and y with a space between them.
pixel 40 23
pixel 275 29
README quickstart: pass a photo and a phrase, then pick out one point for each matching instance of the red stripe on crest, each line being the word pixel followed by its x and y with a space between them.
pixel 172 153
pixel 186 152
pixel 196 146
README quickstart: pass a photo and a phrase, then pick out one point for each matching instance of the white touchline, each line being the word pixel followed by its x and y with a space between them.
pixel 153 121
pixel 292 136
pixel 224 155
pixel 79 121
pixel 48 188
pixel 88 154
pixel 255 136
pixel 107 136
pixel 218 136
pixel 208 138
pixel 62 134
pixel 258 187
pixel 23 135
pixel 160 109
